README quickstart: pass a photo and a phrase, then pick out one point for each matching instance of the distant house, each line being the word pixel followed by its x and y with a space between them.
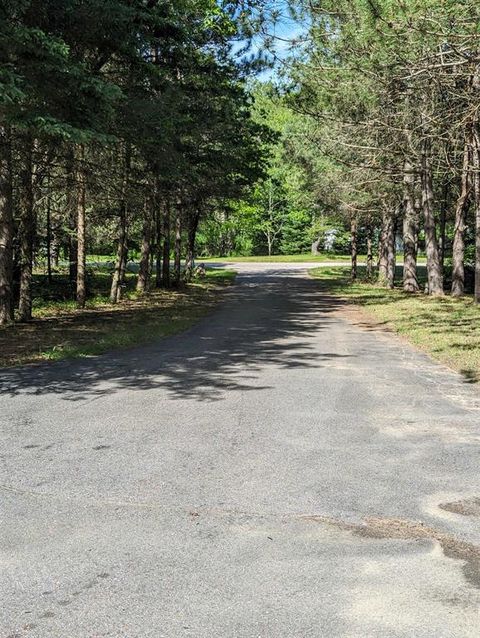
pixel 329 241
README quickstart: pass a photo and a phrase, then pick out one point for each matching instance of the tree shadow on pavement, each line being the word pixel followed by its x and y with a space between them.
pixel 270 319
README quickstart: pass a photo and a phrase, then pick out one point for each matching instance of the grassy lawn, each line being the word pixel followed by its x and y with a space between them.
pixel 61 331
pixel 307 257
pixel 447 329
pixel 103 259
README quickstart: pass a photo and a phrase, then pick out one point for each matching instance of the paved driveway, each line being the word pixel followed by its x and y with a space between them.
pixel 275 472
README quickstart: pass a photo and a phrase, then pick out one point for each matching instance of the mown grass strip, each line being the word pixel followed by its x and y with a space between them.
pixel 307 257
pixel 448 329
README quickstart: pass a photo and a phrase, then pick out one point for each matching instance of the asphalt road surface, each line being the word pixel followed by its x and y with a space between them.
pixel 278 471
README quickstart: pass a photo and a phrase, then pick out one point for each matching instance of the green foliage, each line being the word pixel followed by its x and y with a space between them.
pixel 296 233
pixel 280 210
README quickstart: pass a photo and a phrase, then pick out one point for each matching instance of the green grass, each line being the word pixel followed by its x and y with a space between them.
pixel 448 329
pixel 103 259
pixel 57 297
pixel 106 261
pixel 60 331
pixel 306 257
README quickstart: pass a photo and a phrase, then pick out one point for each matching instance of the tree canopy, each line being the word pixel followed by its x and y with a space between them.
pixel 117 115
pixel 139 126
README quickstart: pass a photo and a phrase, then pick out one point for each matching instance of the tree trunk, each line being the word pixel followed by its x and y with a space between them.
pixel 410 231
pixel 269 243
pixel 370 251
pixel 443 222
pixel 178 247
pixel 55 252
pixel 158 245
pixel 26 230
pixel 49 234
pixel 382 250
pixel 123 270
pixel 192 233
pixel 81 295
pixel 6 228
pixel 458 256
pixel 386 266
pixel 476 200
pixel 121 260
pixel 391 249
pixel 434 269
pixel 144 268
pixel 166 246
pixel 57 235
pixel 72 213
pixel 354 247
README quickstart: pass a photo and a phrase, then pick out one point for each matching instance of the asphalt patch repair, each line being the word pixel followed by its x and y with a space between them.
pixel 401 529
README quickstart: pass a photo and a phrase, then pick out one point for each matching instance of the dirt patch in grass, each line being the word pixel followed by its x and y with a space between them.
pixel 60 331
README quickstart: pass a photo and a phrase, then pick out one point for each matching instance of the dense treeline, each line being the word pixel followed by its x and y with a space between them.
pixel 128 126
pixel 392 93
pixel 117 118
pixel 280 212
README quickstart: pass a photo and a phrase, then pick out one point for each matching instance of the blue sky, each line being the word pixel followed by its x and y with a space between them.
pixel 281 35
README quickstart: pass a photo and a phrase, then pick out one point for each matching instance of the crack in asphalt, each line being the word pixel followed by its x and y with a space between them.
pixel 376 528
pixel 242 467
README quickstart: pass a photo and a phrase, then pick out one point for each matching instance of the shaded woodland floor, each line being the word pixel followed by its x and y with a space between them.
pixel 61 331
